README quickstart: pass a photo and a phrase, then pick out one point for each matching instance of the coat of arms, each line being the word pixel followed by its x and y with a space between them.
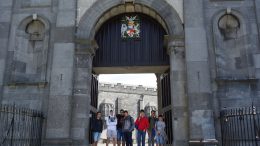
pixel 130 27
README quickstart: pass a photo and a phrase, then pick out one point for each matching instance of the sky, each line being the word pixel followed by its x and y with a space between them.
pixel 148 80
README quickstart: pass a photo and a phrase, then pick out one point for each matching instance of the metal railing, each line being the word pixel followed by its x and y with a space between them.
pixel 20 126
pixel 240 127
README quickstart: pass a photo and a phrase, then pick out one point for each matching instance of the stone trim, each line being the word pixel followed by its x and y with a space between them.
pixel 176 44
pixel 86 27
pixel 130 8
pixel 86 46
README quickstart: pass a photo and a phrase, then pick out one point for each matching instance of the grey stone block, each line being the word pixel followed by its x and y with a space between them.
pixel 3 48
pixel 200 101
pixel 257 61
pixel 63 55
pixel 202 124
pixel 36 3
pixel 4 29
pixel 83 61
pixel 66 5
pixel 78 133
pixel 61 81
pixel 2 69
pixel 178 91
pixel 257 73
pixel 193 11
pixel 198 77
pixel 66 18
pixel 64 34
pixel 196 44
pixel 5 15
pixel 59 116
pixel 6 3
pixel 82 77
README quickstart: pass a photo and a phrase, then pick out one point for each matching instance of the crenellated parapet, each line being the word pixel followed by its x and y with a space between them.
pixel 129 89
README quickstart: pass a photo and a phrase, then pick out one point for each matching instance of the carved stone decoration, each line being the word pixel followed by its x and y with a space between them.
pixel 28 65
pixel 35 30
pixel 231 46
pixel 228 26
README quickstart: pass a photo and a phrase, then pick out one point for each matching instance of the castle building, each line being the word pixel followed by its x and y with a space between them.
pixel 127 97
pixel 205 54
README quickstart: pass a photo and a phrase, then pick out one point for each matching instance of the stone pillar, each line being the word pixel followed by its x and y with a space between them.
pixel 5 23
pixel 82 92
pixel 59 106
pixel 201 121
pixel 178 92
pixel 257 9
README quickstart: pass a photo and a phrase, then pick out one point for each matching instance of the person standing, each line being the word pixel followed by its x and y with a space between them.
pixel 151 130
pixel 142 125
pixel 96 128
pixel 128 128
pixel 119 127
pixel 111 123
pixel 161 136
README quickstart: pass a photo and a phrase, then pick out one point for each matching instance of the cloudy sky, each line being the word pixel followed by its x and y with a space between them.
pixel 148 80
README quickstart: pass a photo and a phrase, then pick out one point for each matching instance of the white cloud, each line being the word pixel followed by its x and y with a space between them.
pixel 148 80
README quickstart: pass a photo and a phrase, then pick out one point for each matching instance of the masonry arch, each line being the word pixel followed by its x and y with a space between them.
pixel 174 46
pixel 88 22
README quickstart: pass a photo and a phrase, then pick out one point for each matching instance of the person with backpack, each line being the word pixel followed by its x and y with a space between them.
pixel 151 130
pixel 161 136
pixel 128 128
pixel 96 128
pixel 142 125
pixel 111 122
pixel 119 127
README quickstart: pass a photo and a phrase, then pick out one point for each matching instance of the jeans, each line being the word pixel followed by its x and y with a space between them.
pixel 141 138
pixel 128 138
pixel 160 139
pixel 120 135
pixel 96 136
pixel 151 137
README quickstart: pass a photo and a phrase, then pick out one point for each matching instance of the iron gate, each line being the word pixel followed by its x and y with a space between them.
pixel 240 127
pixel 20 126
pixel 166 102
pixel 94 103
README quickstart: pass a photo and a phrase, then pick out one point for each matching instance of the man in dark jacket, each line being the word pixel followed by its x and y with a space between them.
pixel 119 128
pixel 128 128
pixel 97 128
pixel 151 130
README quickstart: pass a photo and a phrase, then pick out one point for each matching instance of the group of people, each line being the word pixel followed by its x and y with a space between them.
pixel 120 128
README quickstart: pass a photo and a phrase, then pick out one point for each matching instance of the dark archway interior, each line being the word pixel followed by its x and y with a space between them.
pixel 131 55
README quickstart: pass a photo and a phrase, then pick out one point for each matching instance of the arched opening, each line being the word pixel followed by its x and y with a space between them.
pixel 143 54
pixel 173 45
pixel 134 43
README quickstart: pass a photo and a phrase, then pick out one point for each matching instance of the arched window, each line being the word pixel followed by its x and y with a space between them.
pixel 30 50
pixel 230 34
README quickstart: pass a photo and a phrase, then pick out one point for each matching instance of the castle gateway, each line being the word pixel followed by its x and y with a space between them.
pixel 205 54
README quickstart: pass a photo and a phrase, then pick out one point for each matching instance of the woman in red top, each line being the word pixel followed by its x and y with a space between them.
pixel 141 125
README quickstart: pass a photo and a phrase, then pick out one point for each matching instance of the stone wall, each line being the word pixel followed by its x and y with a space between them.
pixel 42 66
pixel 234 60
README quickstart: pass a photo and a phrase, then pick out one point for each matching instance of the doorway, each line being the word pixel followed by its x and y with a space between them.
pixel 133 43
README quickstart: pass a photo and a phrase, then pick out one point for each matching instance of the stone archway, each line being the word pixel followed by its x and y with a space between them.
pixel 85 51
